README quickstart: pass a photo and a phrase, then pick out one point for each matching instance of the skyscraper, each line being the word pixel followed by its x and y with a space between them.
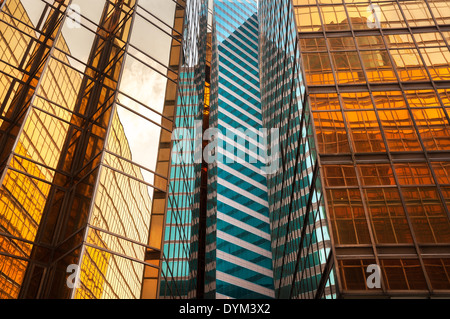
pixel 224 149
pixel 82 199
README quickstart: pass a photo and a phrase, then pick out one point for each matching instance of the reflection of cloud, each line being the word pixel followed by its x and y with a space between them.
pixel 148 87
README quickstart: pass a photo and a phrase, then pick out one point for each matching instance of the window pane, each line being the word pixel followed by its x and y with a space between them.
pixel 399 130
pixel 376 174
pixel 331 132
pixel 387 216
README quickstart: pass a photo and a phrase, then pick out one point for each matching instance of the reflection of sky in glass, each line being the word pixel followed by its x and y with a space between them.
pixel 138 81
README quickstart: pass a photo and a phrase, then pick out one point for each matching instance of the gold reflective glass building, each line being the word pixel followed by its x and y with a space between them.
pixel 378 78
pixel 86 114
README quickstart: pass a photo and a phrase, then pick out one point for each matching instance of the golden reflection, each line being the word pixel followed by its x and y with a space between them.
pixel 429 219
pixel 376 174
pixel 399 130
pixel 347 217
pixel 363 119
pixel 387 216
pixel 365 132
pixel 417 13
pixel 331 133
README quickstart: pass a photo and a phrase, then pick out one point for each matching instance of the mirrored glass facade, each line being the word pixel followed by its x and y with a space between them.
pixel 301 243
pixel 238 254
pixel 376 76
pixel 87 108
pixel 135 138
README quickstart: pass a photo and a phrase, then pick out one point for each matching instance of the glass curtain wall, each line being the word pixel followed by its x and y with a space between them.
pixel 377 74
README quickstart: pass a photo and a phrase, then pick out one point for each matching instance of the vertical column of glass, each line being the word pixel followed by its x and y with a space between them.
pixel 374 73
pixel 239 259
pixel 152 275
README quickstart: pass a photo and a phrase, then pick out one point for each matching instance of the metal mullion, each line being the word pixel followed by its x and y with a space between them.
pixel 59 106
pixel 129 176
pixel 67 240
pixel 12 237
pixel 13 18
pixel 175 211
pixel 111 64
pixel 23 259
pixel 74 68
pixel 12 240
pixel 133 220
pixel 23 112
pixel 169 284
pixel 127 15
pixel 15 83
pixel 54 116
pixel 93 121
pixel 14 80
pixel 39 164
pixel 30 176
pixel 134 242
pixel 153 68
pixel 175 208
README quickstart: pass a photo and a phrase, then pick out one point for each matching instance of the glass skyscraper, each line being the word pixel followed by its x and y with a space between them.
pixel 238 254
pixel 87 109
